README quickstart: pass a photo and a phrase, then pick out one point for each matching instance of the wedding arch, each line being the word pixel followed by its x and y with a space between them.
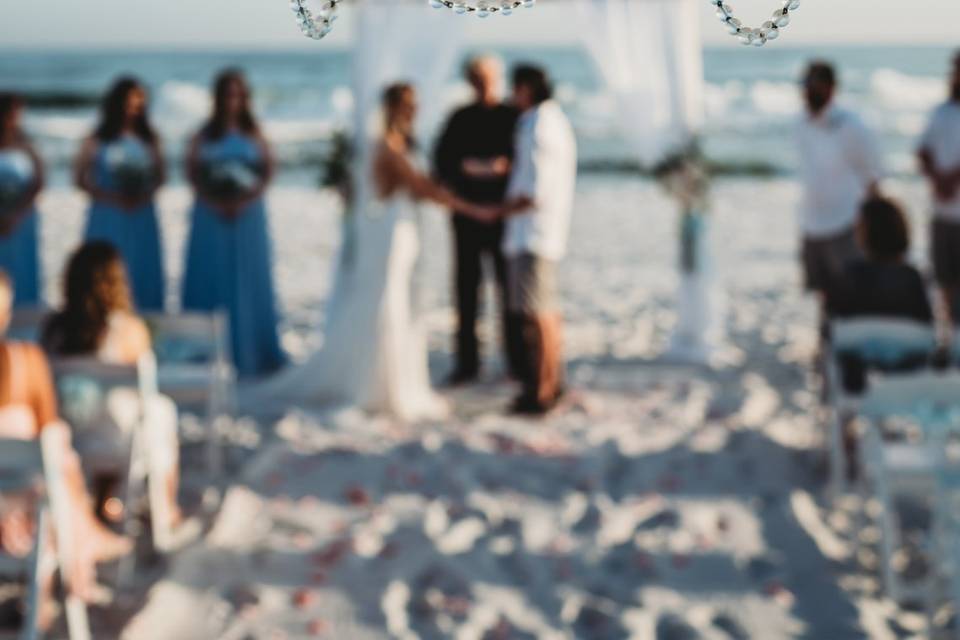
pixel 647 52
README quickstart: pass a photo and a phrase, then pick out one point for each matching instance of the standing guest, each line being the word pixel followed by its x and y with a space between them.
pixel 473 158
pixel 98 320
pixel 27 407
pixel 839 167
pixel 121 167
pixel 940 160
pixel 21 179
pixel 229 258
pixel 538 211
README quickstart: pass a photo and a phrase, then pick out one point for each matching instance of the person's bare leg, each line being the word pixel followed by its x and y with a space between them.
pixel 173 490
pixel 948 295
pixel 103 544
pixel 549 379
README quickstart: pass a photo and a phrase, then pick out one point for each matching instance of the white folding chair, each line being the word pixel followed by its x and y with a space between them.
pixel 881 343
pixel 195 369
pixel 909 468
pixel 26 324
pixel 21 463
pixel 89 391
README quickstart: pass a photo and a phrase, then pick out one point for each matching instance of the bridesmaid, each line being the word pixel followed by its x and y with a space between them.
pixel 21 179
pixel 121 166
pixel 229 257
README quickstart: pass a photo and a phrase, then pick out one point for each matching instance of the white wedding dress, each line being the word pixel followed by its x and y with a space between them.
pixel 374 355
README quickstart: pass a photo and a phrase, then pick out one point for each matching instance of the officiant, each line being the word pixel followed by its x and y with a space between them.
pixel 473 158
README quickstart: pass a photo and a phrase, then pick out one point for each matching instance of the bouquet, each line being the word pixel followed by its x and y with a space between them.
pixel 338 168
pixel 132 170
pixel 226 180
pixel 684 175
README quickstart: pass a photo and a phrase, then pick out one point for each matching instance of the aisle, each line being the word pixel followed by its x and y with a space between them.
pixel 661 504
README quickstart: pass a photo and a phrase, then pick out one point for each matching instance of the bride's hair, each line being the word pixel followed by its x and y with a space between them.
pixel 392 97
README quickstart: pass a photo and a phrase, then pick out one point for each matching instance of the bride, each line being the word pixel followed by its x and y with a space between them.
pixel 374 356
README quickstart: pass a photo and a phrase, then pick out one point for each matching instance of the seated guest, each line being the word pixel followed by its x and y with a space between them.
pixel 882 284
pixel 27 406
pixel 98 320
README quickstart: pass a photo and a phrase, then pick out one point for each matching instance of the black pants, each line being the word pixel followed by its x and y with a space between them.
pixel 474 240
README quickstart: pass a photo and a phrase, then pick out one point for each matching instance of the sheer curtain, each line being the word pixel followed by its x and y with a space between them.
pixel 649 54
pixel 398 40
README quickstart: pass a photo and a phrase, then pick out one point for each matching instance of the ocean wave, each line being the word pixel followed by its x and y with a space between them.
pixel 899 91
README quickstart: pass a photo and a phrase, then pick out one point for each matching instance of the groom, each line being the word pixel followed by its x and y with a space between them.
pixel 473 158
pixel 538 209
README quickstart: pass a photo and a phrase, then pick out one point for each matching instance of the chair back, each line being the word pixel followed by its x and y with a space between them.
pixel 884 342
pixel 27 323
pixel 21 462
pixel 189 338
pixel 926 395
pixel 84 384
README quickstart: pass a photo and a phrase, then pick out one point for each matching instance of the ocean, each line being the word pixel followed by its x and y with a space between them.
pixel 304 98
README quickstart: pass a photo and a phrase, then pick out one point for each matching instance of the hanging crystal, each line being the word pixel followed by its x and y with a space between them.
pixel 759 36
pixel 315 17
pixel 482 8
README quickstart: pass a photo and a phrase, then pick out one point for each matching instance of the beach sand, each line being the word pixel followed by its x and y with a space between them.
pixel 661 501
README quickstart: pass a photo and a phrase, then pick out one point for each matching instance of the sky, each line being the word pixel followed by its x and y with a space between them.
pixel 192 24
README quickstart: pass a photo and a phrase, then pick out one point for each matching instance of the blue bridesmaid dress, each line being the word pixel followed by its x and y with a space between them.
pixel 19 251
pixel 135 234
pixel 229 264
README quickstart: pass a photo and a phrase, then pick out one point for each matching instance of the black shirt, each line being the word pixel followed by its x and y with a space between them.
pixel 885 289
pixel 476 131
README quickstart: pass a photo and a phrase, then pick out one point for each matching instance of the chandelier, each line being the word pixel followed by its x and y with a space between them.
pixel 317 22
pixel 758 36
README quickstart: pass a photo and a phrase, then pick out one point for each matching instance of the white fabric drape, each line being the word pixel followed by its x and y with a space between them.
pixel 399 41
pixel 649 55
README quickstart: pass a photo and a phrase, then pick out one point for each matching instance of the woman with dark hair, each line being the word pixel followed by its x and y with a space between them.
pixel 121 167
pixel 229 257
pixel 883 283
pixel 21 179
pixel 97 320
pixel 374 354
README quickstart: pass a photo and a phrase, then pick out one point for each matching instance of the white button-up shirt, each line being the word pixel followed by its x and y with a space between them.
pixel 942 141
pixel 839 160
pixel 544 170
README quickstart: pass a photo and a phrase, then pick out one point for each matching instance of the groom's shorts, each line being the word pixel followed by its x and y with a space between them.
pixel 531 284
pixel 825 259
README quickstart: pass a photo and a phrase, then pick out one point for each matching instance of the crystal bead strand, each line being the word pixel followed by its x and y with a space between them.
pixel 759 36
pixel 482 8
pixel 315 25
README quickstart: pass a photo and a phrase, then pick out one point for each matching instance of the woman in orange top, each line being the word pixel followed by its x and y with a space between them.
pixel 27 406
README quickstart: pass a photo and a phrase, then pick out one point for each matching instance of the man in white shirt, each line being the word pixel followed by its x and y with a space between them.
pixel 840 167
pixel 538 211
pixel 940 160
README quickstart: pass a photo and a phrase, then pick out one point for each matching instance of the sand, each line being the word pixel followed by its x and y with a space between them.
pixel 661 501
